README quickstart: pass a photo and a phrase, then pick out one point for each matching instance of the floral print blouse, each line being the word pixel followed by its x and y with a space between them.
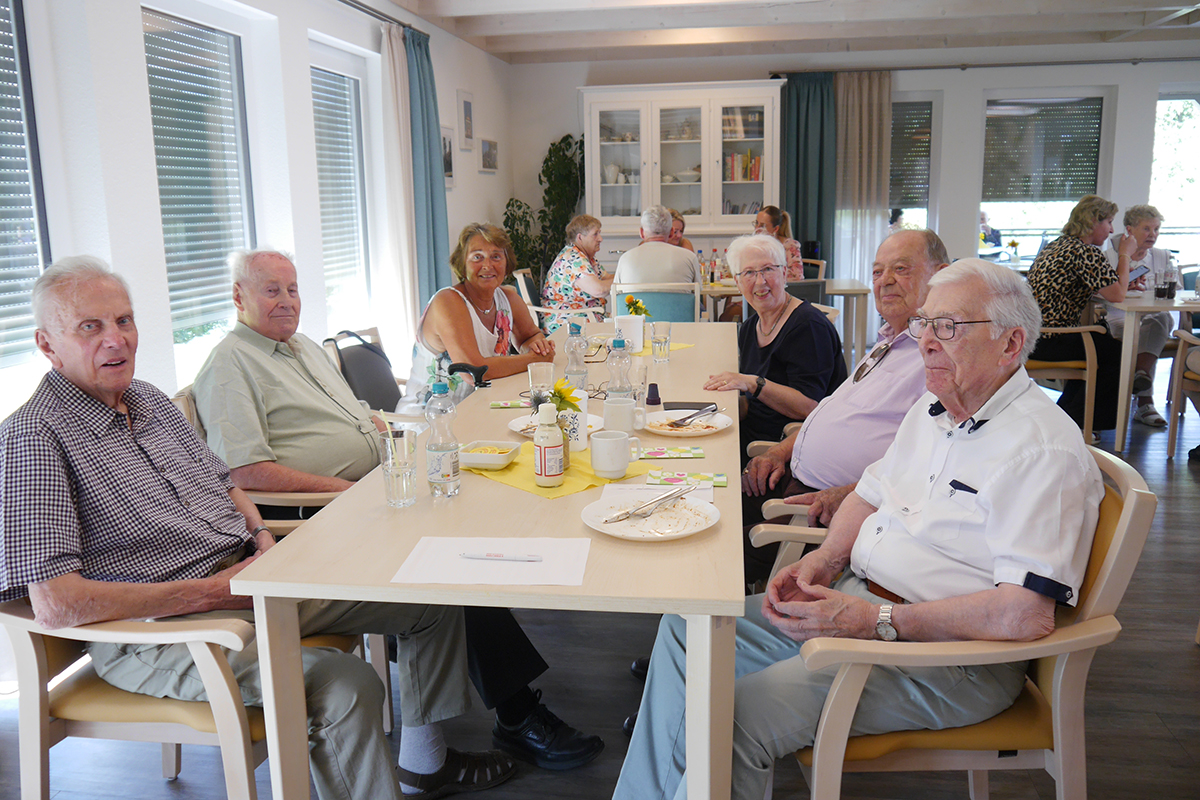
pixel 560 290
pixel 795 266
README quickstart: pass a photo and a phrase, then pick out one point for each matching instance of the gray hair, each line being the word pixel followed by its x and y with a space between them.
pixel 240 260
pixel 1135 214
pixel 656 221
pixel 762 244
pixel 1007 300
pixel 68 273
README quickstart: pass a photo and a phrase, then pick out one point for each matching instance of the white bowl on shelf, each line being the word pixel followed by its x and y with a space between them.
pixel 687 176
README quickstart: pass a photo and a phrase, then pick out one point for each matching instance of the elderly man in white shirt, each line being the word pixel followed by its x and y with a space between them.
pixel 932 545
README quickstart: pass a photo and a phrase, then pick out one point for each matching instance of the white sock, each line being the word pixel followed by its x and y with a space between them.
pixel 422 750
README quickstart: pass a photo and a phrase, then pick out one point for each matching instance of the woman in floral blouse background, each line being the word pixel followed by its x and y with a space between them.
pixel 575 280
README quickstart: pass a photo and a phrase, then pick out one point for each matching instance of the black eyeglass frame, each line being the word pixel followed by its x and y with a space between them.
pixel 916 326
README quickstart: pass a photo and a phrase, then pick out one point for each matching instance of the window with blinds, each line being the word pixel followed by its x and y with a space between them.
pixel 908 185
pixel 23 244
pixel 198 110
pixel 342 189
pixel 1041 150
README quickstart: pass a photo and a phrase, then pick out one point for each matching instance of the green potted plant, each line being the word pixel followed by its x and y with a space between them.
pixel 538 236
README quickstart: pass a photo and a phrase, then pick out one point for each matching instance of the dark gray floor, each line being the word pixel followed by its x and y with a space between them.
pixel 1143 718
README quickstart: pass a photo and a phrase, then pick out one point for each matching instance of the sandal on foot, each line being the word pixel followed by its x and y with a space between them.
pixel 1147 414
pixel 462 772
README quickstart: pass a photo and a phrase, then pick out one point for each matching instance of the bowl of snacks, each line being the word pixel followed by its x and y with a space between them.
pixel 482 454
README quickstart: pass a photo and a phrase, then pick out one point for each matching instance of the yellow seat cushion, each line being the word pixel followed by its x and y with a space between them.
pixel 1032 364
pixel 1026 725
pixel 1188 375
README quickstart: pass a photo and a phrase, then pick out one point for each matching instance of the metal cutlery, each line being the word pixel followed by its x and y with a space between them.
pixel 682 422
pixel 673 494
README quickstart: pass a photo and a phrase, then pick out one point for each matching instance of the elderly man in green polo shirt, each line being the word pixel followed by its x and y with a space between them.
pixel 284 420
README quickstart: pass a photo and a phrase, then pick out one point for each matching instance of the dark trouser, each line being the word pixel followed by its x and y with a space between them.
pixel 500 658
pixel 1069 347
pixel 757 561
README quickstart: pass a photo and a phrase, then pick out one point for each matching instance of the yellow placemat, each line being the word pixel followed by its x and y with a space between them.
pixel 645 351
pixel 519 474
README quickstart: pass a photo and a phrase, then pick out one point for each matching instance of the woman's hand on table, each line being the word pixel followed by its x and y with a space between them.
pixel 540 346
pixel 731 382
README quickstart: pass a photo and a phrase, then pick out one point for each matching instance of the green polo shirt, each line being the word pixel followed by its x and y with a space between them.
pixel 263 400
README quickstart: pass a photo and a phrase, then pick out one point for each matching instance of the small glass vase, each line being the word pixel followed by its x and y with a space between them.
pixel 1012 255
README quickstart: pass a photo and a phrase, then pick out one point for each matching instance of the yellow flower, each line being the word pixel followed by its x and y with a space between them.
pixel 1013 244
pixel 563 396
pixel 635 306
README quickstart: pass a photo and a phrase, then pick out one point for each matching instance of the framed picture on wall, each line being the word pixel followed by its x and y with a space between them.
pixel 489 155
pixel 466 120
pixel 448 155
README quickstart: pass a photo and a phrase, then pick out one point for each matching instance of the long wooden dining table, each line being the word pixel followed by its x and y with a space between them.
pixel 352 549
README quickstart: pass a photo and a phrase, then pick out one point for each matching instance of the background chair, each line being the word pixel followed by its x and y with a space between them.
pixel 1045 727
pixel 814 268
pixel 1182 380
pixel 359 356
pixel 666 302
pixel 532 296
pixel 812 291
pixel 1073 370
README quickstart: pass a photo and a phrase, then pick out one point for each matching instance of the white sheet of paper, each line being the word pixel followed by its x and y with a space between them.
pixel 646 492
pixel 439 560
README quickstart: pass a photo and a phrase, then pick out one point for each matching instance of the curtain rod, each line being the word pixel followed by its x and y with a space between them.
pixel 965 67
pixel 379 15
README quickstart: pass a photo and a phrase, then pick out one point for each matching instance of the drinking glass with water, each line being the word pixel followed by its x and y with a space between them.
pixel 397 456
pixel 660 342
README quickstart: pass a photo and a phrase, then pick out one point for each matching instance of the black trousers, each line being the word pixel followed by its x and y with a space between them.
pixel 757 561
pixel 1069 347
pixel 500 658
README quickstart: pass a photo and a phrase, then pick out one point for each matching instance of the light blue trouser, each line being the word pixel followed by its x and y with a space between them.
pixel 351 759
pixel 777 703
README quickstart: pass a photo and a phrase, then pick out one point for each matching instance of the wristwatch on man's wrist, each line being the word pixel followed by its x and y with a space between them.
pixel 884 628
pixel 761 383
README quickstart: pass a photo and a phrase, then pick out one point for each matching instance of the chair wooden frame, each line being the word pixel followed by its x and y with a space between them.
pixel 541 311
pixel 1073 370
pixel 619 289
pixel 819 263
pixel 1182 380
pixel 1045 727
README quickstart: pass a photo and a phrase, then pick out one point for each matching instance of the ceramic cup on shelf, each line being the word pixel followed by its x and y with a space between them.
pixel 611 454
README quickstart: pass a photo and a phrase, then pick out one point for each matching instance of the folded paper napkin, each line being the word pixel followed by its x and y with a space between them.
pixel 645 351
pixel 579 477
pixel 510 404
pixel 672 452
pixel 705 479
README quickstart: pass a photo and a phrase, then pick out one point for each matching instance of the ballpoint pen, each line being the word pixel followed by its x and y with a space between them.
pixel 500 557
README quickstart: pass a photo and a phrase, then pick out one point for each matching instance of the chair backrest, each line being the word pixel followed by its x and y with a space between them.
pixel 666 302
pixel 360 357
pixel 814 268
pixel 527 287
pixel 810 290
pixel 185 401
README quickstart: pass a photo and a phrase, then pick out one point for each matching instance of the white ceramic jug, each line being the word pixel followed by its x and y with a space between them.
pixel 611 172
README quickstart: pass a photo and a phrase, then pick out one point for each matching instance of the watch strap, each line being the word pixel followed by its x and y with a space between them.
pixel 758 389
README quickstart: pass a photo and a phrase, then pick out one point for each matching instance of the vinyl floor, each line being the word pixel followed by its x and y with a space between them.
pixel 1143 700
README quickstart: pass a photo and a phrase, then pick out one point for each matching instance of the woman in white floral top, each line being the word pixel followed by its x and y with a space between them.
pixel 575 279
pixel 774 222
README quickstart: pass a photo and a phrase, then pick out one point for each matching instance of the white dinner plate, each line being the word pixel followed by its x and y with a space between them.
pixel 682 518
pixel 595 423
pixel 656 423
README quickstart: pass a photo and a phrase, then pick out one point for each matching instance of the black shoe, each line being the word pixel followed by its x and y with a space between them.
pixel 630 721
pixel 545 740
pixel 1194 453
pixel 639 667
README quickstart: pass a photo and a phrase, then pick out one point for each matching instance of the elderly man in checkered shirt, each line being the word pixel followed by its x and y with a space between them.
pixel 111 507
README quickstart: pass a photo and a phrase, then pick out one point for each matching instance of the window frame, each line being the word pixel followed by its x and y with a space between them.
pixel 936 98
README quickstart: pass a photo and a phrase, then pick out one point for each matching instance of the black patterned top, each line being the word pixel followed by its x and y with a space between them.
pixel 1064 276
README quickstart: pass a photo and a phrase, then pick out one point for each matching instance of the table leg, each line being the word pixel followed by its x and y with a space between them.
pixel 1129 341
pixel 277 626
pixel 849 330
pixel 709 727
pixel 711 305
pixel 860 323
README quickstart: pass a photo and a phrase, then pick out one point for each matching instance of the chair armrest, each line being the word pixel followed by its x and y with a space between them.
pixel 233 634
pixel 763 533
pixel 1186 336
pixel 791 428
pixel 292 499
pixel 1076 329
pixel 758 447
pixel 824 652
pixel 776 508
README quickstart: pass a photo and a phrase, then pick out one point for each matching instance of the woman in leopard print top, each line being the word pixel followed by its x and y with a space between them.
pixel 1064 276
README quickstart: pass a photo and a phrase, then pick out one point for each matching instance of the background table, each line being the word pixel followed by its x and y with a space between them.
pixel 854 314
pixel 352 548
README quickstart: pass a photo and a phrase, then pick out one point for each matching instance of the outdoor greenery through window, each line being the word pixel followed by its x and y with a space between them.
pixel 198 113
pixel 908 186
pixel 338 121
pixel 1175 176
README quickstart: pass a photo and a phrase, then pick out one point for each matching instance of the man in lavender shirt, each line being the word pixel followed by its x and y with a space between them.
pixel 852 427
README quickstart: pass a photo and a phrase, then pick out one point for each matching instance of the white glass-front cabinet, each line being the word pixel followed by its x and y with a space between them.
pixel 710 151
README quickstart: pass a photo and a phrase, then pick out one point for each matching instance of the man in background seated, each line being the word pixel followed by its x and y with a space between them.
pixel 279 413
pixel 988 234
pixel 655 260
pixel 855 425
pixel 114 509
pixel 932 545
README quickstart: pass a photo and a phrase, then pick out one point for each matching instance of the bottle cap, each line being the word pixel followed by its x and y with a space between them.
pixel 618 342
pixel 547 414
pixel 439 388
pixel 652 398
pixel 574 329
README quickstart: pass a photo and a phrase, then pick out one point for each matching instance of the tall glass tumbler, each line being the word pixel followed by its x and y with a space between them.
pixel 397 457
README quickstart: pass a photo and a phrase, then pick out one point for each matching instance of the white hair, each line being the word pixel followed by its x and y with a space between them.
pixel 240 261
pixel 68 273
pixel 657 221
pixel 1007 300
pixel 762 244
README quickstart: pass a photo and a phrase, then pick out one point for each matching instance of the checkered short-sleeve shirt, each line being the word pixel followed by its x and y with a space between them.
pixel 82 491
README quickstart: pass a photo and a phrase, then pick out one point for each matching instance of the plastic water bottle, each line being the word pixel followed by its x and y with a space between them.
pixel 577 371
pixel 441 451
pixel 700 259
pixel 548 448
pixel 715 266
pixel 619 362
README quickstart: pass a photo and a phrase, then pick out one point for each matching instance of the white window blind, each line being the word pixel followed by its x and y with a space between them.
pixel 1041 150
pixel 23 247
pixel 198 110
pixel 342 188
pixel 908 185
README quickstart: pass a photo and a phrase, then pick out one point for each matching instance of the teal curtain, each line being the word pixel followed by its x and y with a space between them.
pixel 808 132
pixel 429 182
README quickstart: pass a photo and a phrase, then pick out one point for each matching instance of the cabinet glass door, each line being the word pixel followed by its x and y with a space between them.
pixel 680 142
pixel 620 163
pixel 742 143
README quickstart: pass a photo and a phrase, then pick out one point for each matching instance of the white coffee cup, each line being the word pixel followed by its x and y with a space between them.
pixel 632 328
pixel 611 455
pixel 622 414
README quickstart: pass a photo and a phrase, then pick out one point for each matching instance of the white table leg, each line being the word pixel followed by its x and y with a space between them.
pixel 849 330
pixel 860 326
pixel 709 727
pixel 1129 341
pixel 277 626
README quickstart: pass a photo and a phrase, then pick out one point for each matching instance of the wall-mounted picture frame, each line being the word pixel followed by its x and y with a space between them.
pixel 489 155
pixel 466 120
pixel 448 155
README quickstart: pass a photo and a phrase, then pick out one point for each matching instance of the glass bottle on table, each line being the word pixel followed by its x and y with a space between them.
pixel 441 449
pixel 619 362
pixel 548 448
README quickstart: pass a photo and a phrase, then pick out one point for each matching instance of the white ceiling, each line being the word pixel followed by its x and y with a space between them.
pixel 538 31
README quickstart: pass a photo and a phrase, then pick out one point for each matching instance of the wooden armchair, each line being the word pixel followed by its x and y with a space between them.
pixel 532 297
pixel 1182 380
pixel 669 302
pixel 1073 370
pixel 1045 727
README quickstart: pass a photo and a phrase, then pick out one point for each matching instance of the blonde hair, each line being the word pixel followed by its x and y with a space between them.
pixel 780 220
pixel 1087 212
pixel 492 234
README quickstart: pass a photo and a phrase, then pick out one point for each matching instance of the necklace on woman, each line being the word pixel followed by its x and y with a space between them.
pixel 483 310
pixel 775 324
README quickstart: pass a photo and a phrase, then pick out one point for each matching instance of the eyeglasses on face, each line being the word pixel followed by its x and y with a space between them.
pixel 943 327
pixel 750 275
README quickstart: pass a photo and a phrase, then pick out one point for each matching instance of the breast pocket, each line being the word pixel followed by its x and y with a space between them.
pixel 962 512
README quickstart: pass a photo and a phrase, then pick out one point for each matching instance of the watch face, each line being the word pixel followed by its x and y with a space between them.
pixel 885 631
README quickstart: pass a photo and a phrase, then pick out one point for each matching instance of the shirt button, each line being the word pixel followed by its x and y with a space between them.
pixel 948 434
pixel 879 530
pixel 187 504
pixel 905 509
pixel 931 479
